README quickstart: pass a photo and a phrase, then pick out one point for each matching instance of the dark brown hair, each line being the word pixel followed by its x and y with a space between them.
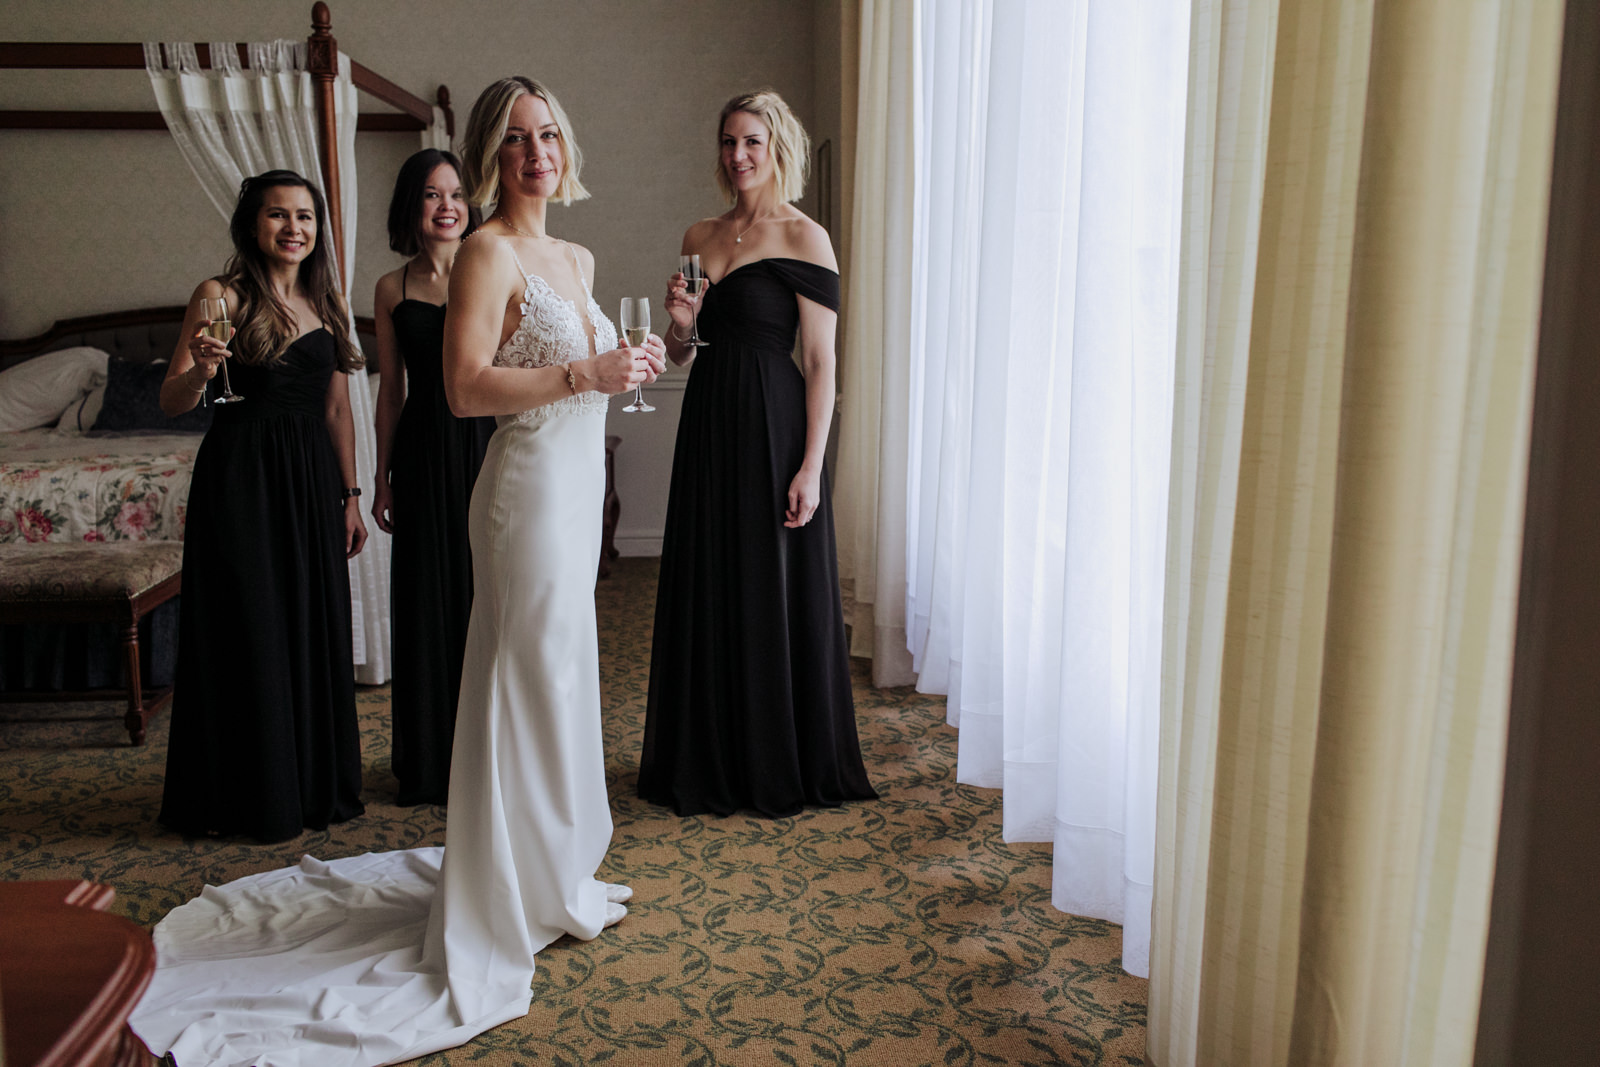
pixel 405 206
pixel 263 327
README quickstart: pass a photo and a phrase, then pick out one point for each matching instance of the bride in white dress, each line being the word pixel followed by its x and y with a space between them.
pixel 384 957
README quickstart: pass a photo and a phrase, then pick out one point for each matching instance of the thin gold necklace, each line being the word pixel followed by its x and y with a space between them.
pixel 517 229
pixel 738 238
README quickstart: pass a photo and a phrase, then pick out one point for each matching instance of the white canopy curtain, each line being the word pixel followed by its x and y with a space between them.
pixel 1036 364
pixel 1363 230
pixel 229 123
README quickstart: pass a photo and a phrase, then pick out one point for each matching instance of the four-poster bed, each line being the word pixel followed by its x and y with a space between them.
pixel 415 114
pixel 320 87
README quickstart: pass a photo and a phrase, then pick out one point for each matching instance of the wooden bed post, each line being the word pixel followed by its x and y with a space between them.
pixel 322 56
pixel 443 96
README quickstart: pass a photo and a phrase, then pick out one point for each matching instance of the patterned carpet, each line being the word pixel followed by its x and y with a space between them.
pixel 898 932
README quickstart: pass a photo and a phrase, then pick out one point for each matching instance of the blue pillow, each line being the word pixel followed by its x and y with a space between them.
pixel 133 400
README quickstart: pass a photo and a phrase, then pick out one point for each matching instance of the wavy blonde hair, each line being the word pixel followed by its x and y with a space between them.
pixel 486 131
pixel 791 148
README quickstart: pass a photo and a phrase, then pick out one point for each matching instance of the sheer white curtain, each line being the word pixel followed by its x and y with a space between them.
pixel 229 123
pixel 1046 177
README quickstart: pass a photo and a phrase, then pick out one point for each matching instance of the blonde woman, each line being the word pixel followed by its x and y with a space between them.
pixel 750 704
pixel 385 957
pixel 525 341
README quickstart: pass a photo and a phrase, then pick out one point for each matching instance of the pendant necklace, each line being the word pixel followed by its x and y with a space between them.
pixel 738 238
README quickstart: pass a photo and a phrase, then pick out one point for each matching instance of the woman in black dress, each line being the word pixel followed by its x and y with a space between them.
pixel 263 740
pixel 750 704
pixel 427 461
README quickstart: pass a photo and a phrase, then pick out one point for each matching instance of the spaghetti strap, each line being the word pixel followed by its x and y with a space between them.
pixel 517 261
pixel 405 271
pixel 576 262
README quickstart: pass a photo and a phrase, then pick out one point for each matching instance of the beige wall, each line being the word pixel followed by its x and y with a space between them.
pixel 93 222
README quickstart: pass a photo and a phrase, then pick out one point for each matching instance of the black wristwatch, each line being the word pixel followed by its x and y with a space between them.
pixel 354 490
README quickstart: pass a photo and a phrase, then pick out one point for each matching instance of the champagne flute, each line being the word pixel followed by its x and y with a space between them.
pixel 636 327
pixel 216 309
pixel 695 282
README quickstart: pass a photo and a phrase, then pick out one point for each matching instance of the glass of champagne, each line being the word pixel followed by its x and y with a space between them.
pixel 694 280
pixel 636 327
pixel 216 309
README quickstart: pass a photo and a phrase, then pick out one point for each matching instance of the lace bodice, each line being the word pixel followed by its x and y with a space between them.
pixel 552 333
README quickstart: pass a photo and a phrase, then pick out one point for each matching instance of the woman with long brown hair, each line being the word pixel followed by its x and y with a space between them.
pixel 263 741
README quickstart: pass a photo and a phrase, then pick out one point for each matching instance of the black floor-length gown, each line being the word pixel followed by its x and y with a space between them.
pixel 749 703
pixel 433 464
pixel 263 740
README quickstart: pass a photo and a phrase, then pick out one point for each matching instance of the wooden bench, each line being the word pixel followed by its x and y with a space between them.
pixel 114 581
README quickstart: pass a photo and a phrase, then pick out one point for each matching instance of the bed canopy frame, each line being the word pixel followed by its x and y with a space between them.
pixel 415 114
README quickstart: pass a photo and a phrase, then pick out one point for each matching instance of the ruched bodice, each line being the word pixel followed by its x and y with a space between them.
pixel 756 305
pixel 295 384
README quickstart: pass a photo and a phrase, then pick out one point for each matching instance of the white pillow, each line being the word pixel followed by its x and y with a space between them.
pixel 36 392
pixel 82 412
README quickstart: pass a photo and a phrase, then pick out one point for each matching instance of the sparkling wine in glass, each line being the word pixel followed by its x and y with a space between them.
pixel 216 309
pixel 695 282
pixel 636 327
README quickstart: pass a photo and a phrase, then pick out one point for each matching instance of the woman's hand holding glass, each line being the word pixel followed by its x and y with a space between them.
pixel 625 368
pixel 685 290
pixel 207 352
pixel 215 327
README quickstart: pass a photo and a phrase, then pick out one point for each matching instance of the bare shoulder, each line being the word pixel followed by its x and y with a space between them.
pixel 386 294
pixel 485 263
pixel 211 289
pixel 804 238
pixel 585 260
pixel 700 234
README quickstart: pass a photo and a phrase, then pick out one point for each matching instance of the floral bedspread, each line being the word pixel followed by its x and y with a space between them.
pixel 73 487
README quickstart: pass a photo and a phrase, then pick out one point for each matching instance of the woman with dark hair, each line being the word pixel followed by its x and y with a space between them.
pixel 749 704
pixel 427 462
pixel 263 740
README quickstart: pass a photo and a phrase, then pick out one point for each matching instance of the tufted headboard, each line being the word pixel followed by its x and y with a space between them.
pixel 139 336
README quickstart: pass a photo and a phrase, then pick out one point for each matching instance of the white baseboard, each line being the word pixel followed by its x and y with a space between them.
pixel 638 544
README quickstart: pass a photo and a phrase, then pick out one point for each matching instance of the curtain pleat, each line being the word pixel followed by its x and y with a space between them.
pixel 1364 196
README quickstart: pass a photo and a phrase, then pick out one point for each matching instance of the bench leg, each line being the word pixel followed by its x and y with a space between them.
pixel 134 720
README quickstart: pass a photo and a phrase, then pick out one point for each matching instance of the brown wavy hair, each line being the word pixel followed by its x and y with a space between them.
pixel 263 327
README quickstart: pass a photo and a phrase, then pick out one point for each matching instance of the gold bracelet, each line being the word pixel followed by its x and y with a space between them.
pixel 572 380
pixel 190 384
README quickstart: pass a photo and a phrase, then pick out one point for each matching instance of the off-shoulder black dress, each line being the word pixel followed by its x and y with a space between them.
pixel 749 702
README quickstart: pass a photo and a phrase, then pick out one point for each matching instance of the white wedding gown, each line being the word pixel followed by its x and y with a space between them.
pixel 388 956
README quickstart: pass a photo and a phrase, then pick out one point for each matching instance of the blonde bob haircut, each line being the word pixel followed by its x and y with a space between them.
pixel 486 132
pixel 791 148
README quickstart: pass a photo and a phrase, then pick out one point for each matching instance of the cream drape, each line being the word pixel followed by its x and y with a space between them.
pixel 875 362
pixel 231 122
pixel 1364 208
